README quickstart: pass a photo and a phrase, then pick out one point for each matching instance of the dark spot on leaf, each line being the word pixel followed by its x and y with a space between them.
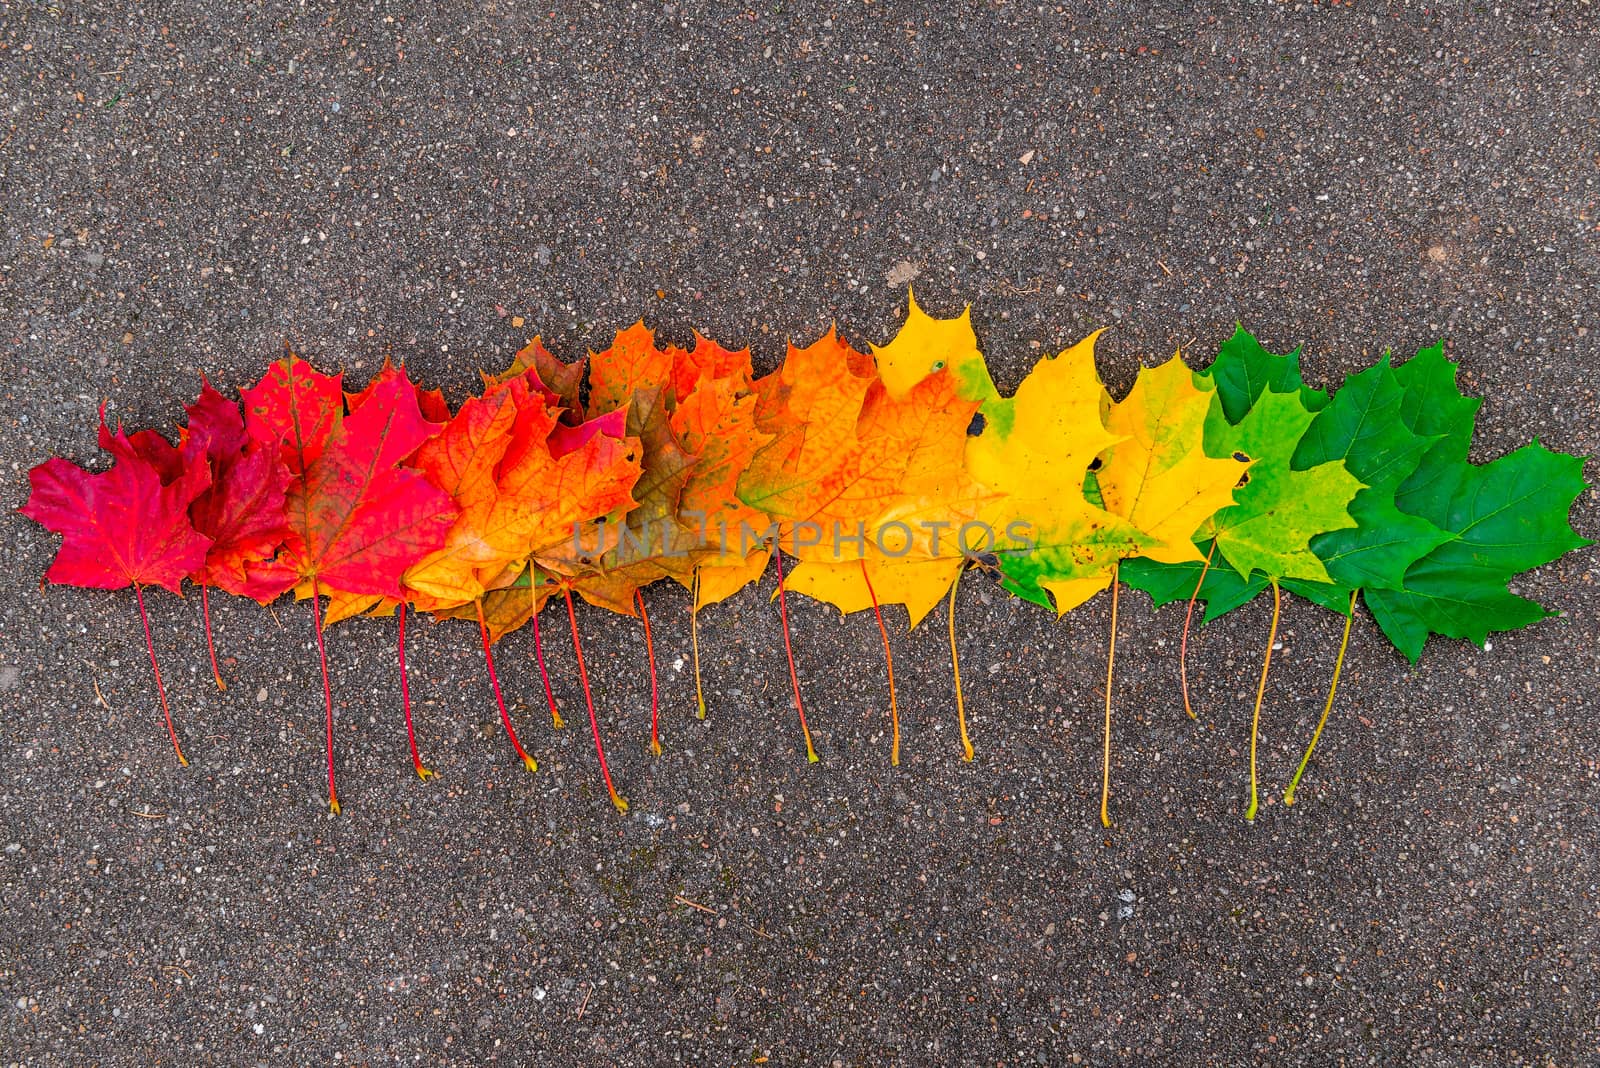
pixel 1096 465
pixel 1244 480
pixel 975 427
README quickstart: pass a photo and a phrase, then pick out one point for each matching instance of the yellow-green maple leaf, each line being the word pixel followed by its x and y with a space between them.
pixel 1278 510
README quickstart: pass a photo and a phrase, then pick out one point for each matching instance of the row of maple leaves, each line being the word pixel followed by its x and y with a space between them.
pixel 655 463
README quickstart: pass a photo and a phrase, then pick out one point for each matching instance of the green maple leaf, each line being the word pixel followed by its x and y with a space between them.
pixel 1364 425
pixel 1279 509
pixel 1224 589
pixel 1243 370
pixel 1435 407
pixel 1507 517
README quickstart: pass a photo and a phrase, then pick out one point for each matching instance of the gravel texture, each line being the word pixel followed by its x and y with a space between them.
pixel 188 187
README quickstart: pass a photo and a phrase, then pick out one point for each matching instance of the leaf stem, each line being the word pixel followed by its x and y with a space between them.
pixel 494 682
pixel 1338 666
pixel 888 657
pixel 1188 617
pixel 655 686
pixel 1111 660
pixel 161 689
pixel 327 688
pixel 955 666
pixel 694 644
pixel 588 699
pixel 788 651
pixel 538 654
pixel 1261 691
pixel 211 647
pixel 405 700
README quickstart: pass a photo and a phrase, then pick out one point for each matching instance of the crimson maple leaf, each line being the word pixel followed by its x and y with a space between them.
pixel 126 526
pixel 357 518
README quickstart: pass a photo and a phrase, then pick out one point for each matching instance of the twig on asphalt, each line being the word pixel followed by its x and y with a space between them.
pixel 680 899
pixel 587 990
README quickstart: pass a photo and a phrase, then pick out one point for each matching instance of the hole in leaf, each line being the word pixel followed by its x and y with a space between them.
pixel 975 427
pixel 1096 464
pixel 1241 457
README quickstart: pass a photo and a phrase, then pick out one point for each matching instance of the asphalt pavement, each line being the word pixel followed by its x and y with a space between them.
pixel 186 188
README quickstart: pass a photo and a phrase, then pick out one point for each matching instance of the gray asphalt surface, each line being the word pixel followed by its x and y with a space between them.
pixel 187 187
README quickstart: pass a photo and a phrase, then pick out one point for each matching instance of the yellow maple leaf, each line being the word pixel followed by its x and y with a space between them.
pixel 926 345
pixel 1035 450
pixel 1159 476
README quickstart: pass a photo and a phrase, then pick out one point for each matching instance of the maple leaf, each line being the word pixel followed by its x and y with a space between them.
pixel 1363 426
pixel 357 518
pixel 829 469
pixel 296 407
pixel 462 461
pixel 1506 517
pixel 524 482
pixel 1036 451
pixel 1243 370
pixel 1159 476
pixel 926 345
pixel 630 366
pixel 1279 509
pixel 714 420
pixel 906 492
pixel 430 402
pixel 242 510
pixel 575 479
pixel 121 527
pixel 903 466
pixel 809 406
pixel 561 382
pixel 528 486
pixel 656 540
pixel 869 497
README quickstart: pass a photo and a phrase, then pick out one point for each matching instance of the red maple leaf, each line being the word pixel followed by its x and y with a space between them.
pixel 125 526
pixel 242 511
pixel 357 518
pixel 295 406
